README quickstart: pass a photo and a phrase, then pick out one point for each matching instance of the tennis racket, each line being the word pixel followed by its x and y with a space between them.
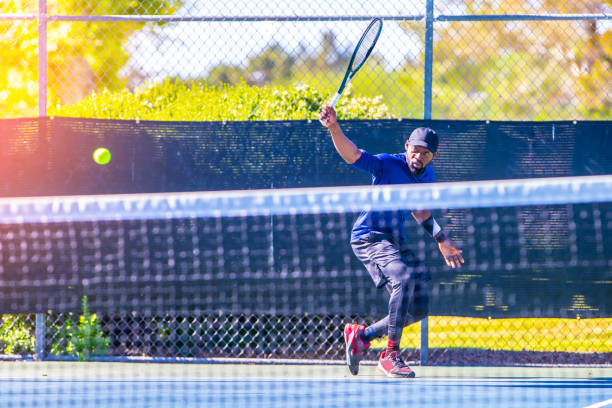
pixel 360 55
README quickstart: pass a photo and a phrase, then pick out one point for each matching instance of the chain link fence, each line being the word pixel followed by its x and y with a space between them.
pixel 534 60
pixel 215 337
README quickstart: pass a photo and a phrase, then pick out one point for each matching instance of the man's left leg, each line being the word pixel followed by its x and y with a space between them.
pixel 355 346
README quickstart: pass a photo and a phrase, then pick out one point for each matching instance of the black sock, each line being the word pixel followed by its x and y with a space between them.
pixel 367 335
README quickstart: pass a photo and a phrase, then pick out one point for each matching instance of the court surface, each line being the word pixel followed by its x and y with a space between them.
pixel 100 384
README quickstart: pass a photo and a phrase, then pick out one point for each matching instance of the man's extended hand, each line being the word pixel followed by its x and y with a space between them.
pixel 451 254
pixel 328 116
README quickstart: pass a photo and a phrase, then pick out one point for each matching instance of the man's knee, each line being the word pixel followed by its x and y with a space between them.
pixel 399 274
pixel 416 314
pixel 420 307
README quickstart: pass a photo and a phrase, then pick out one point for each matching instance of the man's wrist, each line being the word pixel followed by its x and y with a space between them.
pixel 440 237
pixel 333 126
pixel 431 226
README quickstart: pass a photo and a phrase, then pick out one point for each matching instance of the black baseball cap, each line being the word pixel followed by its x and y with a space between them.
pixel 424 137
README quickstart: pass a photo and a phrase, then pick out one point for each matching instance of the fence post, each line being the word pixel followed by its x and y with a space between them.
pixel 429 32
pixel 40 337
pixel 424 341
pixel 42 58
pixel 427 96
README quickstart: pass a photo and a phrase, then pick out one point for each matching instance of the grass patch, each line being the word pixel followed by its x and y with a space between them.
pixel 569 335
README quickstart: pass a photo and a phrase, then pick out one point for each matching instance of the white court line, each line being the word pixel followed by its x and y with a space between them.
pixel 600 404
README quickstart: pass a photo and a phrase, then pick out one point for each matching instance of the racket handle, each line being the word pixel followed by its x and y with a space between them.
pixel 332 104
pixel 335 100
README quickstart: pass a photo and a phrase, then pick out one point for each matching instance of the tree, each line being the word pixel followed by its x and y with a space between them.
pixel 522 70
pixel 82 56
pixel 226 74
pixel 275 65
pixel 330 56
pixel 592 60
pixel 272 63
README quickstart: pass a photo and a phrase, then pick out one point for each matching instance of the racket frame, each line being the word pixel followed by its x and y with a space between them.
pixel 350 73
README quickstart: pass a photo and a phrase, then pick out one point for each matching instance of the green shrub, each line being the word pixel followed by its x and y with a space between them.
pixel 83 339
pixel 196 101
pixel 16 334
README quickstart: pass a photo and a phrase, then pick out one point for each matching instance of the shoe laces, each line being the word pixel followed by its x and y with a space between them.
pixel 397 359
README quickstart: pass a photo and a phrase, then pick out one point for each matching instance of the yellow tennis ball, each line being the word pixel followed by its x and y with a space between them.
pixel 101 155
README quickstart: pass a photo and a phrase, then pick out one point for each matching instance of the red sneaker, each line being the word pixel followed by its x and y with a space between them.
pixel 392 365
pixel 355 348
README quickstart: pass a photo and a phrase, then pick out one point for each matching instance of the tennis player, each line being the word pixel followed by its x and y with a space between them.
pixel 378 240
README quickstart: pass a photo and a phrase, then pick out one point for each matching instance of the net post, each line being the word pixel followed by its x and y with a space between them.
pixel 424 341
pixel 40 337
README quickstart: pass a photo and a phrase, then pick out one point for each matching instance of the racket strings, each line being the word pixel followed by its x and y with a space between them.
pixel 369 39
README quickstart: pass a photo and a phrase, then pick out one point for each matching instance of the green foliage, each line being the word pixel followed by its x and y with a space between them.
pixel 178 101
pixel 83 339
pixel 522 334
pixel 272 62
pixel 401 91
pixel 482 70
pixel 82 56
pixel 523 70
pixel 16 334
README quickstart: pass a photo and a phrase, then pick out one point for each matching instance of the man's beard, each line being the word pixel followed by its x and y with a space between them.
pixel 417 171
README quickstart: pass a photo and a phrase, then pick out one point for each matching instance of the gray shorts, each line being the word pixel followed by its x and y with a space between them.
pixel 378 250
pixel 396 268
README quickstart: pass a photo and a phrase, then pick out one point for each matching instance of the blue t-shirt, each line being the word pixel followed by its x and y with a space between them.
pixel 387 169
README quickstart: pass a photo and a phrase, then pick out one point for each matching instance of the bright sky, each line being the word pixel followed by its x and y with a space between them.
pixel 190 49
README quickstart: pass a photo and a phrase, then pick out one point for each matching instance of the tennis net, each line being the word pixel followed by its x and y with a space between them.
pixel 270 274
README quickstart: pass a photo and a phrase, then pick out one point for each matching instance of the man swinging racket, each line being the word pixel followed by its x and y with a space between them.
pixel 378 240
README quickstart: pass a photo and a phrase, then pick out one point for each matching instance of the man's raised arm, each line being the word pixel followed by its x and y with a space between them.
pixel 344 146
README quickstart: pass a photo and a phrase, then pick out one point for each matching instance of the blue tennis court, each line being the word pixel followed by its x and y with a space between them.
pixel 233 385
